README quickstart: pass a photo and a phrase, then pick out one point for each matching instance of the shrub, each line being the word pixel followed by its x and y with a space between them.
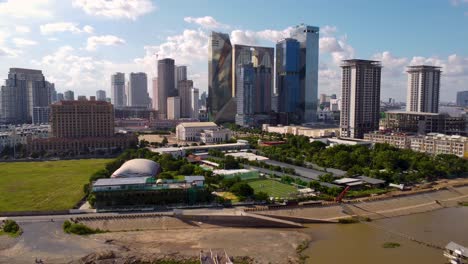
pixel 350 220
pixel 79 229
pixel 390 245
pixel 10 226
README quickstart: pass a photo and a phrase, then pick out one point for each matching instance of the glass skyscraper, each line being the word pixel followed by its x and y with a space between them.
pixel 118 90
pixel 288 79
pixel 166 85
pixel 308 37
pixel 221 104
pixel 245 94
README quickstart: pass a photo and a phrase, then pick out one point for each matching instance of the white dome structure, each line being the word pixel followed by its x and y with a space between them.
pixel 137 168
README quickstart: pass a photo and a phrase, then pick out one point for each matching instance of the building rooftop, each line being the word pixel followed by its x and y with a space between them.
pixel 214 146
pixel 346 180
pixel 193 178
pixel 412 113
pixel 246 155
pixel 197 124
pixel 142 184
pixel 352 62
pixel 211 163
pixel 121 181
pixel 229 172
pixel 371 180
pixel 81 102
pixel 137 168
pixel 23 70
pixel 330 185
pixel 443 137
pixel 422 67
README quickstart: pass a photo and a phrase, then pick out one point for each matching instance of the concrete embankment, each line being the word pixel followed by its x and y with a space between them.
pixel 184 220
pixel 380 208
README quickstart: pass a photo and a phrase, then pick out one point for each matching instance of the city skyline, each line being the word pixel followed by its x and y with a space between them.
pixel 85 42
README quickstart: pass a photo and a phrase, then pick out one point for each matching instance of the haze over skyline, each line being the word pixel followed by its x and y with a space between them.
pixel 78 44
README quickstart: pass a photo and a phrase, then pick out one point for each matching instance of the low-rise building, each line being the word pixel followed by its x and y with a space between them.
pixel 207 132
pixel 440 144
pixel 244 174
pixel 347 141
pixel 431 143
pixel 423 123
pixel 351 182
pixel 372 182
pixel 161 124
pixel 217 135
pixel 147 192
pixel 81 146
pixel 12 135
pixel 303 131
pixel 132 123
pixel 181 151
pixel 399 140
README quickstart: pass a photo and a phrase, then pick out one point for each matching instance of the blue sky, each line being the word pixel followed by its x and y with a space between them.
pixel 79 43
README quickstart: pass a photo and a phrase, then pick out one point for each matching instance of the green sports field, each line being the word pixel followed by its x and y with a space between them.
pixel 273 188
pixel 47 185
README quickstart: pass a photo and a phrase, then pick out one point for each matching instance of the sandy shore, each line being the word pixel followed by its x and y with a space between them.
pixel 263 245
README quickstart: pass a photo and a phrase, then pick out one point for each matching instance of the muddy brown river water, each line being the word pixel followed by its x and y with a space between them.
pixel 362 243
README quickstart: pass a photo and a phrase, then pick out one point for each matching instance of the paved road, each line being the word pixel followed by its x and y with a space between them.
pixel 305 172
pixel 309 174
pixel 337 172
pixel 266 171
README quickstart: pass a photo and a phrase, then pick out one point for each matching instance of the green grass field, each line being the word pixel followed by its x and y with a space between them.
pixel 273 188
pixel 48 185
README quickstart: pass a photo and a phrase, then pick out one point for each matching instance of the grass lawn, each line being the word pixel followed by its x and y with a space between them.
pixel 273 188
pixel 48 185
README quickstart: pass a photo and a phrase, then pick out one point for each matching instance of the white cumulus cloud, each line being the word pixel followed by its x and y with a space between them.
pixel 328 30
pixel 82 74
pixel 392 66
pixel 129 9
pixel 245 37
pixel 26 9
pixel 21 42
pixel 58 27
pixel 206 22
pixel 249 37
pixel 22 29
pixel 329 44
pixel 88 29
pixel 7 52
pixel 105 40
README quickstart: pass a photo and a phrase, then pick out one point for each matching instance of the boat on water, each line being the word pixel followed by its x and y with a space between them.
pixel 456 253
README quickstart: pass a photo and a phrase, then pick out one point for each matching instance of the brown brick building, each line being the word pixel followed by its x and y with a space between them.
pixel 79 119
pixel 82 127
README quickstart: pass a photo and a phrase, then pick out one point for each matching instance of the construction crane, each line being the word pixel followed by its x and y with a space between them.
pixel 342 194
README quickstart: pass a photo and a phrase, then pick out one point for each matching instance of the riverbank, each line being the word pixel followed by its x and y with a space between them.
pixel 374 209
pixel 185 235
